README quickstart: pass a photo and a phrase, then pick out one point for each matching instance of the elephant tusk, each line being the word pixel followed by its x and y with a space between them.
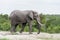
pixel 40 24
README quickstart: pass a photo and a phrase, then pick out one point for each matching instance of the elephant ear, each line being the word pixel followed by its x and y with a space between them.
pixel 30 15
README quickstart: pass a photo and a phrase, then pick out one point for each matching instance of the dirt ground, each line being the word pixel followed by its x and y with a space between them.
pixel 27 36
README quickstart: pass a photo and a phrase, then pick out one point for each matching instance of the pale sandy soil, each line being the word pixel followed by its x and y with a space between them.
pixel 27 36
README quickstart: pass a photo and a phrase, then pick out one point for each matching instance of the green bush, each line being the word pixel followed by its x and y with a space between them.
pixel 52 24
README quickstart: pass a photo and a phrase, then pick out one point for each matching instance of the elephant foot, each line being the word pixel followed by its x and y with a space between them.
pixel 38 32
pixel 12 33
pixel 20 31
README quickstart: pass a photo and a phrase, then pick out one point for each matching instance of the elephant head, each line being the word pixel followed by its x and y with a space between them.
pixel 34 16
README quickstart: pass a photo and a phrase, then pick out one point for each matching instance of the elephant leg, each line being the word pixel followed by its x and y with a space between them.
pixel 30 27
pixel 13 27
pixel 23 26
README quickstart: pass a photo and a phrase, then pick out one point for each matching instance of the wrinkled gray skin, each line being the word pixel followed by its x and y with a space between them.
pixel 23 17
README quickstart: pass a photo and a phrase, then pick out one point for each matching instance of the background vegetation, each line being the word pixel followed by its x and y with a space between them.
pixel 51 23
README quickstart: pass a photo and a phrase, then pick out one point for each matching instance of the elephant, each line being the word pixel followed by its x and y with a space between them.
pixel 24 17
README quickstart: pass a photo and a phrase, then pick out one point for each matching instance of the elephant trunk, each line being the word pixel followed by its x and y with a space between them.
pixel 38 25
